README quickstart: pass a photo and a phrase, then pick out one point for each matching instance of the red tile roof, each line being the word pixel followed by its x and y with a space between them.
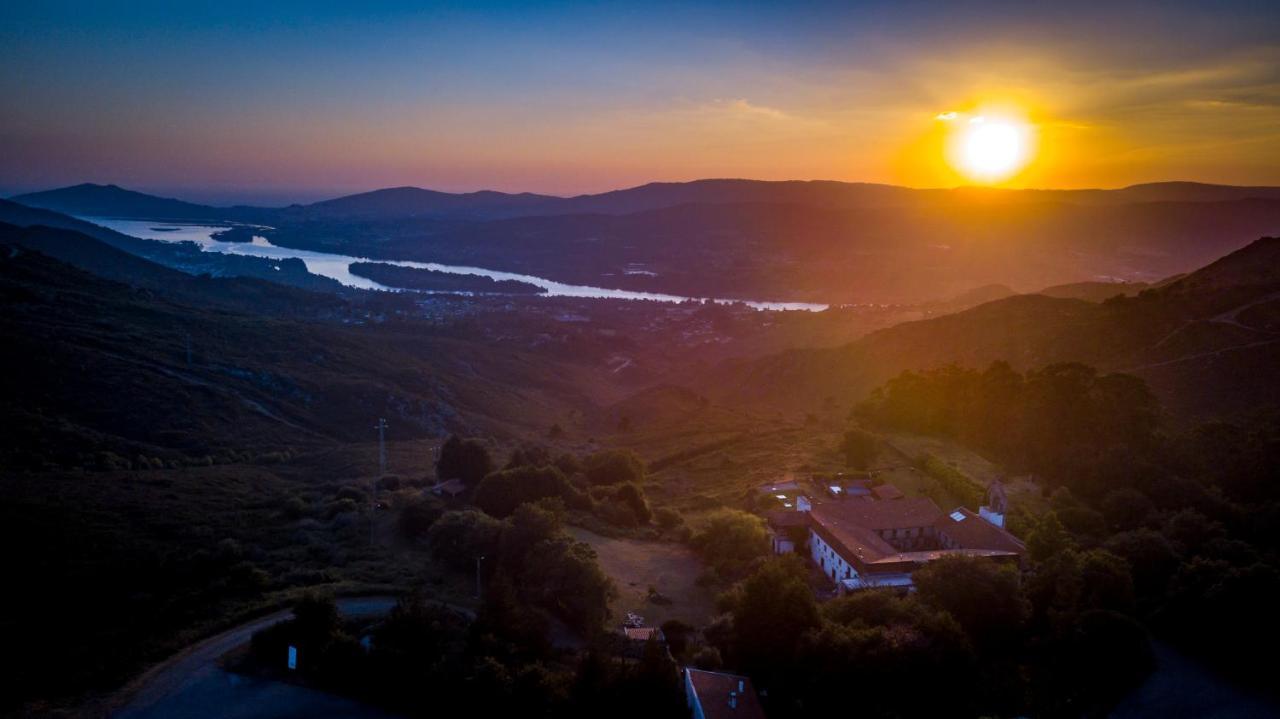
pixel 971 531
pixel 780 518
pixel 712 690
pixel 902 514
pixel 887 491
pixel 851 528
pixel 642 634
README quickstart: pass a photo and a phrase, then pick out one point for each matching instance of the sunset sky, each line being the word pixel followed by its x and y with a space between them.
pixel 244 102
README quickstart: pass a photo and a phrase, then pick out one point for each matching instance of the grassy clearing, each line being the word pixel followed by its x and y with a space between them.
pixel 636 565
pixel 1022 491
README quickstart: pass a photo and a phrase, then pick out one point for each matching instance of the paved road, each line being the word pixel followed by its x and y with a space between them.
pixel 191 685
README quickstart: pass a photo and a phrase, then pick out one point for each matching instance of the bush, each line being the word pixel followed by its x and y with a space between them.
pixel 614 466
pixel 342 506
pixel 417 517
pixel 355 494
pixel 632 497
pixel 293 507
pixel 667 518
pixel 951 481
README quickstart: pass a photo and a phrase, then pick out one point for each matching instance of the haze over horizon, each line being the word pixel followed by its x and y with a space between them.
pixel 292 103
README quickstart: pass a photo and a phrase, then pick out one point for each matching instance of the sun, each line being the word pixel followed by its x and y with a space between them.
pixel 990 150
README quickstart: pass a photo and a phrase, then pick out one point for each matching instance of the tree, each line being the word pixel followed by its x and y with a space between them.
pixel 464 459
pixel 1151 557
pixel 982 595
pixel 614 466
pixel 529 455
pixel 458 538
pixel 771 611
pixel 502 492
pixel 729 540
pixel 860 448
pixel 1099 657
pixel 552 570
pixel 1105 582
pixel 1048 538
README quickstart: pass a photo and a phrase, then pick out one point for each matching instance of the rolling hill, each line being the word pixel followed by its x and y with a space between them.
pixel 114 201
pixel 1208 343
pixel 96 369
pixel 71 246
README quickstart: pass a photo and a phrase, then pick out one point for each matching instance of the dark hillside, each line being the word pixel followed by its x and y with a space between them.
pixel 1207 343
pixel 99 373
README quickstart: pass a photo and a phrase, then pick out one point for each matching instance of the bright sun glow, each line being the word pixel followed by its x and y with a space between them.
pixel 990 150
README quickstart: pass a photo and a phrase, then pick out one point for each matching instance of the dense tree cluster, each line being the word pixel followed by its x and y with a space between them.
pixel 1146 527
pixel 429 660
pixel 530 553
pixel 502 492
pixel 988 643
pixel 1054 421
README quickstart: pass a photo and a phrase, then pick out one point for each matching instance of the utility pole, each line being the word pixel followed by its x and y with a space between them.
pixel 382 446
pixel 478 560
pixel 381 426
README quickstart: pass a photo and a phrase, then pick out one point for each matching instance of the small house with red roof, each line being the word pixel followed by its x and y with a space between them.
pixel 718 695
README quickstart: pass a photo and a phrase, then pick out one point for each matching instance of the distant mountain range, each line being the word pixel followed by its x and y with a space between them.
pixel 415 202
pixel 827 242
pixel 1208 343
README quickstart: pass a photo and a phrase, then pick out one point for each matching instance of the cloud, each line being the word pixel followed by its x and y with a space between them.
pixel 743 107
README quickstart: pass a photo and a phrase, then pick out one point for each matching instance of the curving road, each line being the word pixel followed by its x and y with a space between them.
pixel 192 685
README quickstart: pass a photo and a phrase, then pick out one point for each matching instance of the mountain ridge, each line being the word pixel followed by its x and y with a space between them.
pixel 1207 343
pixel 410 201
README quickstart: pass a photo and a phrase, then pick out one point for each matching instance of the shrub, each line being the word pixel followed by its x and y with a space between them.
pixel 417 517
pixel 667 518
pixel 632 497
pixel 354 494
pixel 614 466
pixel 951 481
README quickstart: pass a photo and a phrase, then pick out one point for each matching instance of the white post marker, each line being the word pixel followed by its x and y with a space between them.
pixel 293 657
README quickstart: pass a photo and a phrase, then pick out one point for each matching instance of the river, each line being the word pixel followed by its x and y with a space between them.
pixel 338 266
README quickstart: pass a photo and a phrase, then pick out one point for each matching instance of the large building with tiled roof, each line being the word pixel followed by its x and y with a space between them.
pixel 862 543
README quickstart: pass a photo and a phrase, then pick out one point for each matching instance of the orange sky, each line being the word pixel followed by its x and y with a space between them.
pixel 244 101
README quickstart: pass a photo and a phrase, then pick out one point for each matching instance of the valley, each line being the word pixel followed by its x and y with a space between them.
pixel 192 423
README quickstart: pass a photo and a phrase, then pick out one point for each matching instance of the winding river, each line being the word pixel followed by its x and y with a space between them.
pixel 338 266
